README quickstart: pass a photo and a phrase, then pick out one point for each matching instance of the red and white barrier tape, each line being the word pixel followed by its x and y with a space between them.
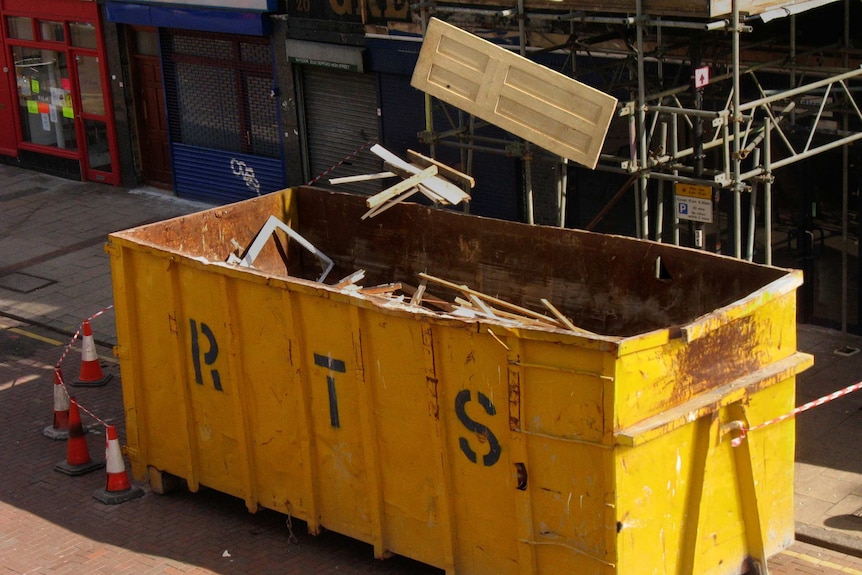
pixel 736 441
pixel 68 347
pixel 367 144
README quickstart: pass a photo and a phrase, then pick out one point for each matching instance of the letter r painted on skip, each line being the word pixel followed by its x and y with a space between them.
pixel 209 356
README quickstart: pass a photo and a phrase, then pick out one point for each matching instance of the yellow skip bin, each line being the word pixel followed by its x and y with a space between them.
pixel 479 395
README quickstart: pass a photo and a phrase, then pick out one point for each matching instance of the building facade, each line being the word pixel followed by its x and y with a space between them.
pixel 203 117
pixel 56 113
pixel 222 103
pixel 222 100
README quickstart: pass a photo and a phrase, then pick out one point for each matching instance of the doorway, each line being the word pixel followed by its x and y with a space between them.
pixel 150 110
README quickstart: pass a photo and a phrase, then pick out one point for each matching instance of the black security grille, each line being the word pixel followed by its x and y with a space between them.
pixel 218 92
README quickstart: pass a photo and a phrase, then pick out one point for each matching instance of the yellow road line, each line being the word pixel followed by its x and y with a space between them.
pixel 48 340
pixel 820 562
pixel 32 335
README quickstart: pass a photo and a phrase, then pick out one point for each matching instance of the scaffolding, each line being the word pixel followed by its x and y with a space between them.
pixel 749 105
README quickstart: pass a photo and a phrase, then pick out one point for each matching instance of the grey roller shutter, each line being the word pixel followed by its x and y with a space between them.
pixel 341 117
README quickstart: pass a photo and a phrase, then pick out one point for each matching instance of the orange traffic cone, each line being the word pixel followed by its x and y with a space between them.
pixel 118 488
pixel 91 372
pixel 60 428
pixel 78 460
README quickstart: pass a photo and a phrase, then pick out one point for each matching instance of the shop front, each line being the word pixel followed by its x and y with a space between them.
pixel 55 104
pixel 203 86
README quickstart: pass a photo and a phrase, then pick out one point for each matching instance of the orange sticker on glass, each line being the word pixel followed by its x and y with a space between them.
pixel 44 108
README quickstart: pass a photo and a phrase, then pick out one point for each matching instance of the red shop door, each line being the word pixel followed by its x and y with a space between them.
pixel 8 124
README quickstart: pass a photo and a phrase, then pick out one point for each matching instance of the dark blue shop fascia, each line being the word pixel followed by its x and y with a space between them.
pixel 203 19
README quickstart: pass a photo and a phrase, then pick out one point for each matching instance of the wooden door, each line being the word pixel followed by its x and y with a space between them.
pixel 150 111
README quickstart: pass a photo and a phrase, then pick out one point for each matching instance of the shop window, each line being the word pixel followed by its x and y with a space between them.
pixel 20 28
pixel 44 97
pixel 51 31
pixel 219 93
pixel 99 156
pixel 90 84
pixel 83 35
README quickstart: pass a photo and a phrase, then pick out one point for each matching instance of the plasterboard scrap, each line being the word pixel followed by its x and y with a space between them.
pixel 527 99
pixel 452 193
pixel 444 170
pixel 466 312
pixel 362 178
pixel 398 171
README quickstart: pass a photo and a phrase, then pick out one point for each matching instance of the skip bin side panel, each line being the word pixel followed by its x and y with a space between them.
pixel 571 519
pixel 569 468
pixel 271 388
pixel 401 384
pixel 122 283
pixel 772 450
pixel 331 383
pixel 473 395
pixel 205 326
pixel 153 352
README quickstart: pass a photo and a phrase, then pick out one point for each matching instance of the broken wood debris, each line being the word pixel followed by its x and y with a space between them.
pixel 473 303
pixel 350 280
pixel 425 175
pixel 446 171
pixel 563 319
pixel 362 178
pixel 496 301
pixel 476 303
pixel 381 289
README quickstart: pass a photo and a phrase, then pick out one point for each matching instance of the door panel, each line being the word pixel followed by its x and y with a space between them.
pixel 151 121
pixel 98 161
pixel 516 94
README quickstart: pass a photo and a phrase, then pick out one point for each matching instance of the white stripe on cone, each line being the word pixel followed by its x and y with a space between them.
pixel 113 453
pixel 88 352
pixel 61 399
